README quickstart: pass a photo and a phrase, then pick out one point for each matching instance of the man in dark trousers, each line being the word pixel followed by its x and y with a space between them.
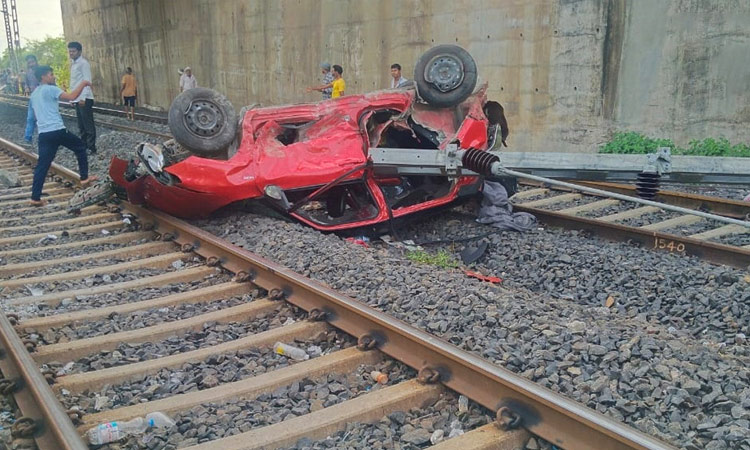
pixel 52 132
pixel 80 70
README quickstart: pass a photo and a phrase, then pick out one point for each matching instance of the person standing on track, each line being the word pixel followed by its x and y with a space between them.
pixel 52 132
pixel 31 84
pixel 128 92
pixel 80 70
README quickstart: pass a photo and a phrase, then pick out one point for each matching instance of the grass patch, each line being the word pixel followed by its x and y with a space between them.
pixel 630 142
pixel 441 259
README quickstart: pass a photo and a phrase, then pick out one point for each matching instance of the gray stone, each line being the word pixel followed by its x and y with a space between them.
pixel 418 436
pixel 9 179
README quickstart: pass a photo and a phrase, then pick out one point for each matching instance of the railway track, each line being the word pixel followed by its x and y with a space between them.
pixel 22 103
pixel 108 314
pixel 155 118
pixel 648 226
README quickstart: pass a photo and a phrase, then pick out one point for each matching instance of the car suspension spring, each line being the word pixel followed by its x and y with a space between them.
pixel 647 185
pixel 479 161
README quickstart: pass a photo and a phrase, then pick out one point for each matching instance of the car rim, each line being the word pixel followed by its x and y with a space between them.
pixel 445 72
pixel 204 118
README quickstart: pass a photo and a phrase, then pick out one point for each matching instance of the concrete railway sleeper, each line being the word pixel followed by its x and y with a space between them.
pixel 204 304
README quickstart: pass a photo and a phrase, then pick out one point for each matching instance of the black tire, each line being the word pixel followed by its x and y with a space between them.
pixel 445 75
pixel 203 121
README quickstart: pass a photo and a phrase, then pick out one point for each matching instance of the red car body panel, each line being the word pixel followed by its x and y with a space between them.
pixel 327 140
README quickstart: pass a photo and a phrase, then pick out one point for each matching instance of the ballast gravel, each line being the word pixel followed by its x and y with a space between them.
pixel 655 339
pixel 82 302
pixel 200 375
pixel 211 333
pixel 417 428
pixel 115 323
pixel 213 421
pixel 658 358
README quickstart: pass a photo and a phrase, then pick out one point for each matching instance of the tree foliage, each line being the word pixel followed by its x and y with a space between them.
pixel 50 51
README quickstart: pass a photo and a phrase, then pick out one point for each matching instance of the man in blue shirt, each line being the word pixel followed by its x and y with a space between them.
pixel 52 132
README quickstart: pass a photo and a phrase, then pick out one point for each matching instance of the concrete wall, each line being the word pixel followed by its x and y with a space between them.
pixel 568 72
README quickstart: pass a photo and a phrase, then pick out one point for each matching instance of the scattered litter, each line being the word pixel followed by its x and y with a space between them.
pixel 105 232
pixel 314 351
pixel 361 240
pixel 47 239
pixel 126 221
pixel 178 264
pixel 288 321
pixel 65 392
pixel 463 404
pixel 290 351
pixel 34 291
pixel 407 244
pixel 471 254
pixel 66 369
pixel 610 302
pixel 479 276
pixel 101 402
pixel 497 211
pixel 437 436
pixel 379 377
pixel 456 429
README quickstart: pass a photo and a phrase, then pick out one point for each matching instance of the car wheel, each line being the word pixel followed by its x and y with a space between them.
pixel 445 75
pixel 203 121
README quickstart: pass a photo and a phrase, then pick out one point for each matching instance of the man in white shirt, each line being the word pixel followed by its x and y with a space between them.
pixel 187 80
pixel 80 70
pixel 397 81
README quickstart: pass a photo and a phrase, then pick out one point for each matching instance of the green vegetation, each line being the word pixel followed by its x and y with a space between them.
pixel 441 259
pixel 51 51
pixel 632 142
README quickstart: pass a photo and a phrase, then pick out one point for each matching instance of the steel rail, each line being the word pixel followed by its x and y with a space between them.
pixel 53 428
pixel 98 109
pixel 106 124
pixel 725 207
pixel 537 409
pixel 497 169
pixel 717 253
pixel 541 411
pixel 656 240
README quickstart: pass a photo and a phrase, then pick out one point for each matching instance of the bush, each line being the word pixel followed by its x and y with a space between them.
pixel 631 142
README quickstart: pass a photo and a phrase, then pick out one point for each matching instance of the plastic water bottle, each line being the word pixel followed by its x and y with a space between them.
pixel 295 353
pixel 114 431
pixel 159 420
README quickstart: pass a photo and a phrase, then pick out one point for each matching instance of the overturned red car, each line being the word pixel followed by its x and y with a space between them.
pixel 313 162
